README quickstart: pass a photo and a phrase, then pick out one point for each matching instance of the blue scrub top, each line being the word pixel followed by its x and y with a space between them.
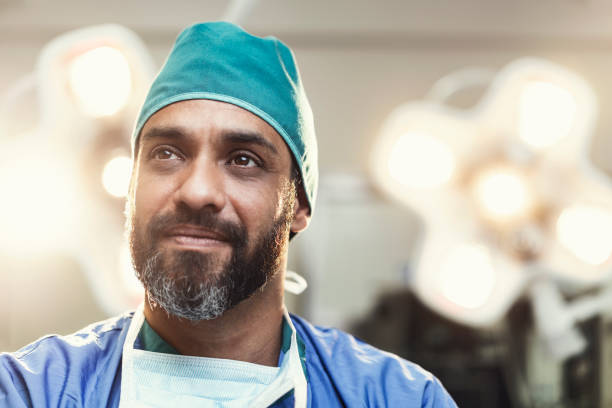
pixel 84 370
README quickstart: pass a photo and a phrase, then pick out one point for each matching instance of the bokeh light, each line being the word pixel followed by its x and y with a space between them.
pixel 502 193
pixel 419 160
pixel 39 198
pixel 546 114
pixel 116 176
pixel 467 276
pixel 586 231
pixel 101 81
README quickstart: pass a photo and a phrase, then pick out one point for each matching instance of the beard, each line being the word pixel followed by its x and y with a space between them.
pixel 199 286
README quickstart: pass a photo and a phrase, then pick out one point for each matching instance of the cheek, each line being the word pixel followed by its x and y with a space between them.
pixel 254 205
pixel 258 206
pixel 150 196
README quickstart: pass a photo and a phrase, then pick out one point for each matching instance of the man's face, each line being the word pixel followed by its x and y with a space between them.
pixel 211 207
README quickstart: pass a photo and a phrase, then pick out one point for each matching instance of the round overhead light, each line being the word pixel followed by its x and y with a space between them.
pixel 502 193
pixel 101 81
pixel 116 176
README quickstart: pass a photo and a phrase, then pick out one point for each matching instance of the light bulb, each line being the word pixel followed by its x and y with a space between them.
pixel 502 193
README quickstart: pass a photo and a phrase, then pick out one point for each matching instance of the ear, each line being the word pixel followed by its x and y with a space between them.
pixel 301 212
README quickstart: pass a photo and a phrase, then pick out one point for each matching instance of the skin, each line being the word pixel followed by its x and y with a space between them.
pixel 186 156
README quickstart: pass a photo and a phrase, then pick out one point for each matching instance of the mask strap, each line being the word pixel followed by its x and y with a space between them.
pixel 295 283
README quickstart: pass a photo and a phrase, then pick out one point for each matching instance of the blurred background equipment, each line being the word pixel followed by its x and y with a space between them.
pixel 500 366
pixel 496 215
pixel 467 230
pixel 66 177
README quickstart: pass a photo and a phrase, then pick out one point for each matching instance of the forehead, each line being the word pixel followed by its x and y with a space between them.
pixel 208 117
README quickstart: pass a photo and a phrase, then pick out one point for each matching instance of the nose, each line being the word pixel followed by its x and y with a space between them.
pixel 202 187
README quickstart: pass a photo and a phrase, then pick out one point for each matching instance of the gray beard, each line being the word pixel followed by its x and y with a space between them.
pixel 193 302
pixel 193 285
pixel 185 284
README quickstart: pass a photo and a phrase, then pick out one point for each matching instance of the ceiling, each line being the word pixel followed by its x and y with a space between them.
pixel 316 20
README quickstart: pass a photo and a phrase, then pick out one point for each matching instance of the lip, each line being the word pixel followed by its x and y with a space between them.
pixel 195 237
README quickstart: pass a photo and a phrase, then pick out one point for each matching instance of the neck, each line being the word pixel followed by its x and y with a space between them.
pixel 250 331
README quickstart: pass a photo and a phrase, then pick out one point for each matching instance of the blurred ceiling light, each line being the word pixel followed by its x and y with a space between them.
pixel 101 81
pixel 502 193
pixel 467 275
pixel 419 160
pixel 79 76
pixel 586 231
pixel 94 72
pixel 39 197
pixel 505 155
pixel 116 176
pixel 546 113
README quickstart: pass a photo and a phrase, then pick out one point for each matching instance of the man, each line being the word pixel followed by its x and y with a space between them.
pixel 225 172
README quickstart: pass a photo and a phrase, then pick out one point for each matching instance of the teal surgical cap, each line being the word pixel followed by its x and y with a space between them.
pixel 222 62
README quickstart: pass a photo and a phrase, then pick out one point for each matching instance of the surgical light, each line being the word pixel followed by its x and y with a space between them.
pixel 101 81
pixel 39 197
pixel 81 76
pixel 419 160
pixel 116 176
pixel 546 113
pixel 497 169
pixel 467 276
pixel 502 193
pixel 586 231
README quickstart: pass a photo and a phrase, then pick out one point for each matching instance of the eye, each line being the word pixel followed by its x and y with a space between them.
pixel 244 160
pixel 164 153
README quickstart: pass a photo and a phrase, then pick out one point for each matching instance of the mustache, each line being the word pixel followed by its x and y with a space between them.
pixel 232 232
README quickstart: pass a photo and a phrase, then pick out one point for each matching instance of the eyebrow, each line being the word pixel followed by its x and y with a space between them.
pixel 230 136
pixel 163 132
pixel 249 137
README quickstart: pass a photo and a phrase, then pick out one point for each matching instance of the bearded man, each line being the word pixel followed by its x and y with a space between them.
pixel 225 173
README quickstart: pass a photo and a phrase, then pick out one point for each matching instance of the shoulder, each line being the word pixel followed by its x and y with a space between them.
pixel 65 367
pixel 97 338
pixel 362 375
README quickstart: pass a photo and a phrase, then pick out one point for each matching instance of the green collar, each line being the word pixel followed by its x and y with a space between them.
pixel 151 341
